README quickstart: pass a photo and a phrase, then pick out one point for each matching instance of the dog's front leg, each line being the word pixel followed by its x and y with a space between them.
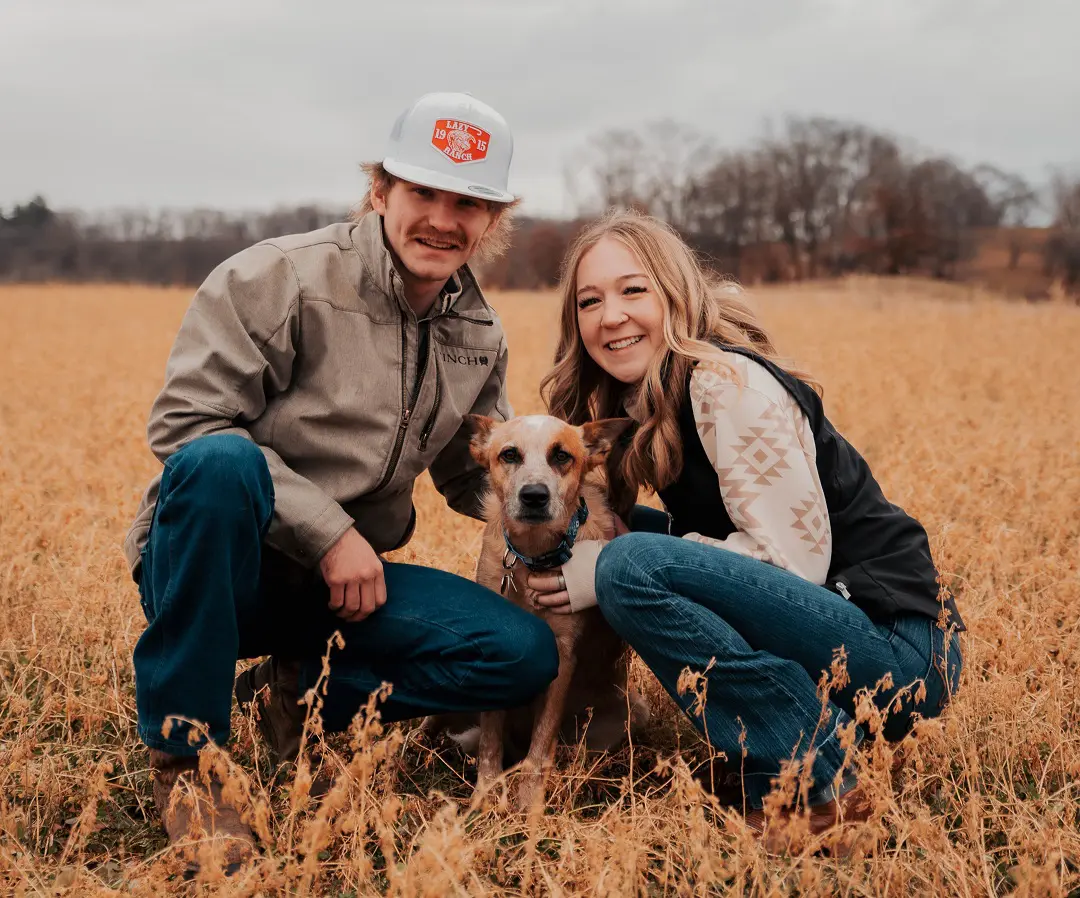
pixel 489 764
pixel 545 731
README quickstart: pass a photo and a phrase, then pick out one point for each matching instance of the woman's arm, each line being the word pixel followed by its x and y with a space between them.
pixel 762 448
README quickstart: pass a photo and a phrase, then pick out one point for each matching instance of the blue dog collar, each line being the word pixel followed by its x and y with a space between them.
pixel 558 556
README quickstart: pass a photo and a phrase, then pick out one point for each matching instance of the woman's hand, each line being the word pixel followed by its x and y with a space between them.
pixel 547 591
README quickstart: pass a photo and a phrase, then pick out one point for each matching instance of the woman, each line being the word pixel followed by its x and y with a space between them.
pixel 778 547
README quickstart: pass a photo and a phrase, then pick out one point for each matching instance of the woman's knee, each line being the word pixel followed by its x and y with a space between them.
pixel 624 567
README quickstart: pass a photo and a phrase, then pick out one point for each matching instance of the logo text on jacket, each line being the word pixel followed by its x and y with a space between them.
pixel 454 358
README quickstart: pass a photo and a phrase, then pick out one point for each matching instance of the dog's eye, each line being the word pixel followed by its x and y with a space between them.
pixel 562 457
pixel 510 455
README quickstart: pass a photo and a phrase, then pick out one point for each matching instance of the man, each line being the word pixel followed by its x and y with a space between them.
pixel 313 379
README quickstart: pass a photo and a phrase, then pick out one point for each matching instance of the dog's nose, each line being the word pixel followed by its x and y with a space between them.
pixel 534 495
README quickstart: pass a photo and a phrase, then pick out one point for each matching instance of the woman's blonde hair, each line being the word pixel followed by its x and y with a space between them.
pixel 492 245
pixel 700 311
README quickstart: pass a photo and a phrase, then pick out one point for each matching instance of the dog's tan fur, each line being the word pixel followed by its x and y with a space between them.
pixel 590 680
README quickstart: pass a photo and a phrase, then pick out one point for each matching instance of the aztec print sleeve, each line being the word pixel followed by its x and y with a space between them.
pixel 761 445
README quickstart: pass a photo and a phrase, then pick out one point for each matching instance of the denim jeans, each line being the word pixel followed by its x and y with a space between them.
pixel 213 593
pixel 763 637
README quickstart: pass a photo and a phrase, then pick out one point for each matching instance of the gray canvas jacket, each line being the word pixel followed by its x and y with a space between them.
pixel 305 345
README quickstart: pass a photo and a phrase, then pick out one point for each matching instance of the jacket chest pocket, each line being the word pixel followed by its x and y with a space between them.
pixel 462 372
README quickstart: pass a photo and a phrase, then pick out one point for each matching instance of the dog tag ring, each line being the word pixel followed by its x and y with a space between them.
pixel 508 562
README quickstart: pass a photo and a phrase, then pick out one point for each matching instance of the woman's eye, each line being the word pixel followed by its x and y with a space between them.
pixel 510 456
pixel 635 288
pixel 587 301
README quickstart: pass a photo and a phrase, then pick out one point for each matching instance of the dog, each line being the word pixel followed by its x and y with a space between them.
pixel 545 493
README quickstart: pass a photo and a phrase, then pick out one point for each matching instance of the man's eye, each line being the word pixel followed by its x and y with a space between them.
pixel 510 456
pixel 587 301
pixel 562 457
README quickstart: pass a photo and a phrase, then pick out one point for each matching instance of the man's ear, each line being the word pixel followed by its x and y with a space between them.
pixel 378 200
pixel 479 427
pixel 600 436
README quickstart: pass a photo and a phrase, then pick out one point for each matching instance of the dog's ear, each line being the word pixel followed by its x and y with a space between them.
pixel 479 428
pixel 600 437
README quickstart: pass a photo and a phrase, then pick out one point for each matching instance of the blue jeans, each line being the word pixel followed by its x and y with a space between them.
pixel 768 635
pixel 213 593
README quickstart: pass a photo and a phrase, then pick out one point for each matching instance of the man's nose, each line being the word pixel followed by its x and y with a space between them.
pixel 442 217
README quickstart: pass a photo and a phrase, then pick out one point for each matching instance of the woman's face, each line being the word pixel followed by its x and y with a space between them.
pixel 619 313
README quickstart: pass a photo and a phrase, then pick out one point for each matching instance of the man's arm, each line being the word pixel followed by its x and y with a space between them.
pixel 236 349
pixel 454 471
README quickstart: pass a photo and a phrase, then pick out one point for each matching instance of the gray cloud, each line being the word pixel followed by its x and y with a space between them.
pixel 248 103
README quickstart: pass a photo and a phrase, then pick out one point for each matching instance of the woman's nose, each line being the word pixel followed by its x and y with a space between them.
pixel 614 314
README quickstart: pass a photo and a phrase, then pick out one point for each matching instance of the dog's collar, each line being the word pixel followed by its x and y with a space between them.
pixel 558 556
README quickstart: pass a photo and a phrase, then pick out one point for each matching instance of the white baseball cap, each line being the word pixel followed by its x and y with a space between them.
pixel 452 141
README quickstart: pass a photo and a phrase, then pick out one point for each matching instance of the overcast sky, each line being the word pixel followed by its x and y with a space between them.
pixel 247 104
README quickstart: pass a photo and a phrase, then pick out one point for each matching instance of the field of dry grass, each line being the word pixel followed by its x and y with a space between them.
pixel 966 407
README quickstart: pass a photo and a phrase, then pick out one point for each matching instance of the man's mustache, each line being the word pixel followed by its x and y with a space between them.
pixel 458 240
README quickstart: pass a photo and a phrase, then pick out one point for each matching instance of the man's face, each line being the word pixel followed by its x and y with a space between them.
pixel 432 232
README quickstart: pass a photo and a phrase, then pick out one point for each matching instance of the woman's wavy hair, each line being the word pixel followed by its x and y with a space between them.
pixel 700 311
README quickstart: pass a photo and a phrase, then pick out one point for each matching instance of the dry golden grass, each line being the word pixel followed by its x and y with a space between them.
pixel 967 408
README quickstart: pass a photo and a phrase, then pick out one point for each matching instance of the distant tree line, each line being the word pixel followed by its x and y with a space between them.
pixel 832 196
pixel 817 197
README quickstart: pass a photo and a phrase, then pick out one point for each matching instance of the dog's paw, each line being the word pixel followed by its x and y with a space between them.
pixel 490 794
pixel 529 791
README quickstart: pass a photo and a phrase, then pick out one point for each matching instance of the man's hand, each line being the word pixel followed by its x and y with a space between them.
pixel 354 574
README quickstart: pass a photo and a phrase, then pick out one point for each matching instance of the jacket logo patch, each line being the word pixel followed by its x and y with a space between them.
pixel 448 355
pixel 459 141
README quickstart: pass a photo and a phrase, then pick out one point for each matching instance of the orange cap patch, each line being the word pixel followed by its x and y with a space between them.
pixel 460 141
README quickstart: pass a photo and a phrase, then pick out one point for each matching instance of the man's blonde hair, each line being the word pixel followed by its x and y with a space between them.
pixel 492 245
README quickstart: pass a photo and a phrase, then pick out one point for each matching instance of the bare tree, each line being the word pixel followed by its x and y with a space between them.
pixel 1062 253
pixel 1013 199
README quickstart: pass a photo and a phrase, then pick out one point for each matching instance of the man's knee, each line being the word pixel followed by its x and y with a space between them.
pixel 219 468
pixel 529 659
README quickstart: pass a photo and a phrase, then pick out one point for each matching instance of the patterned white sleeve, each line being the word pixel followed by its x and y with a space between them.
pixel 762 448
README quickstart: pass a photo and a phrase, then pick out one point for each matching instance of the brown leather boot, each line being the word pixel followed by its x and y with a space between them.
pixel 274 688
pixel 193 811
pixel 850 807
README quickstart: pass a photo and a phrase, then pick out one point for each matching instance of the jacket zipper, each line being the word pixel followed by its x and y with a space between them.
pixel 407 405
pixel 406 410
pixel 841 588
pixel 430 423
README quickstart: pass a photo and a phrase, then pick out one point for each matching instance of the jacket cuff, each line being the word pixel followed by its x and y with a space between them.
pixel 580 574
pixel 315 540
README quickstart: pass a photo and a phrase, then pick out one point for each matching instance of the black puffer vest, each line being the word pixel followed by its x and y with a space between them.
pixel 880 554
